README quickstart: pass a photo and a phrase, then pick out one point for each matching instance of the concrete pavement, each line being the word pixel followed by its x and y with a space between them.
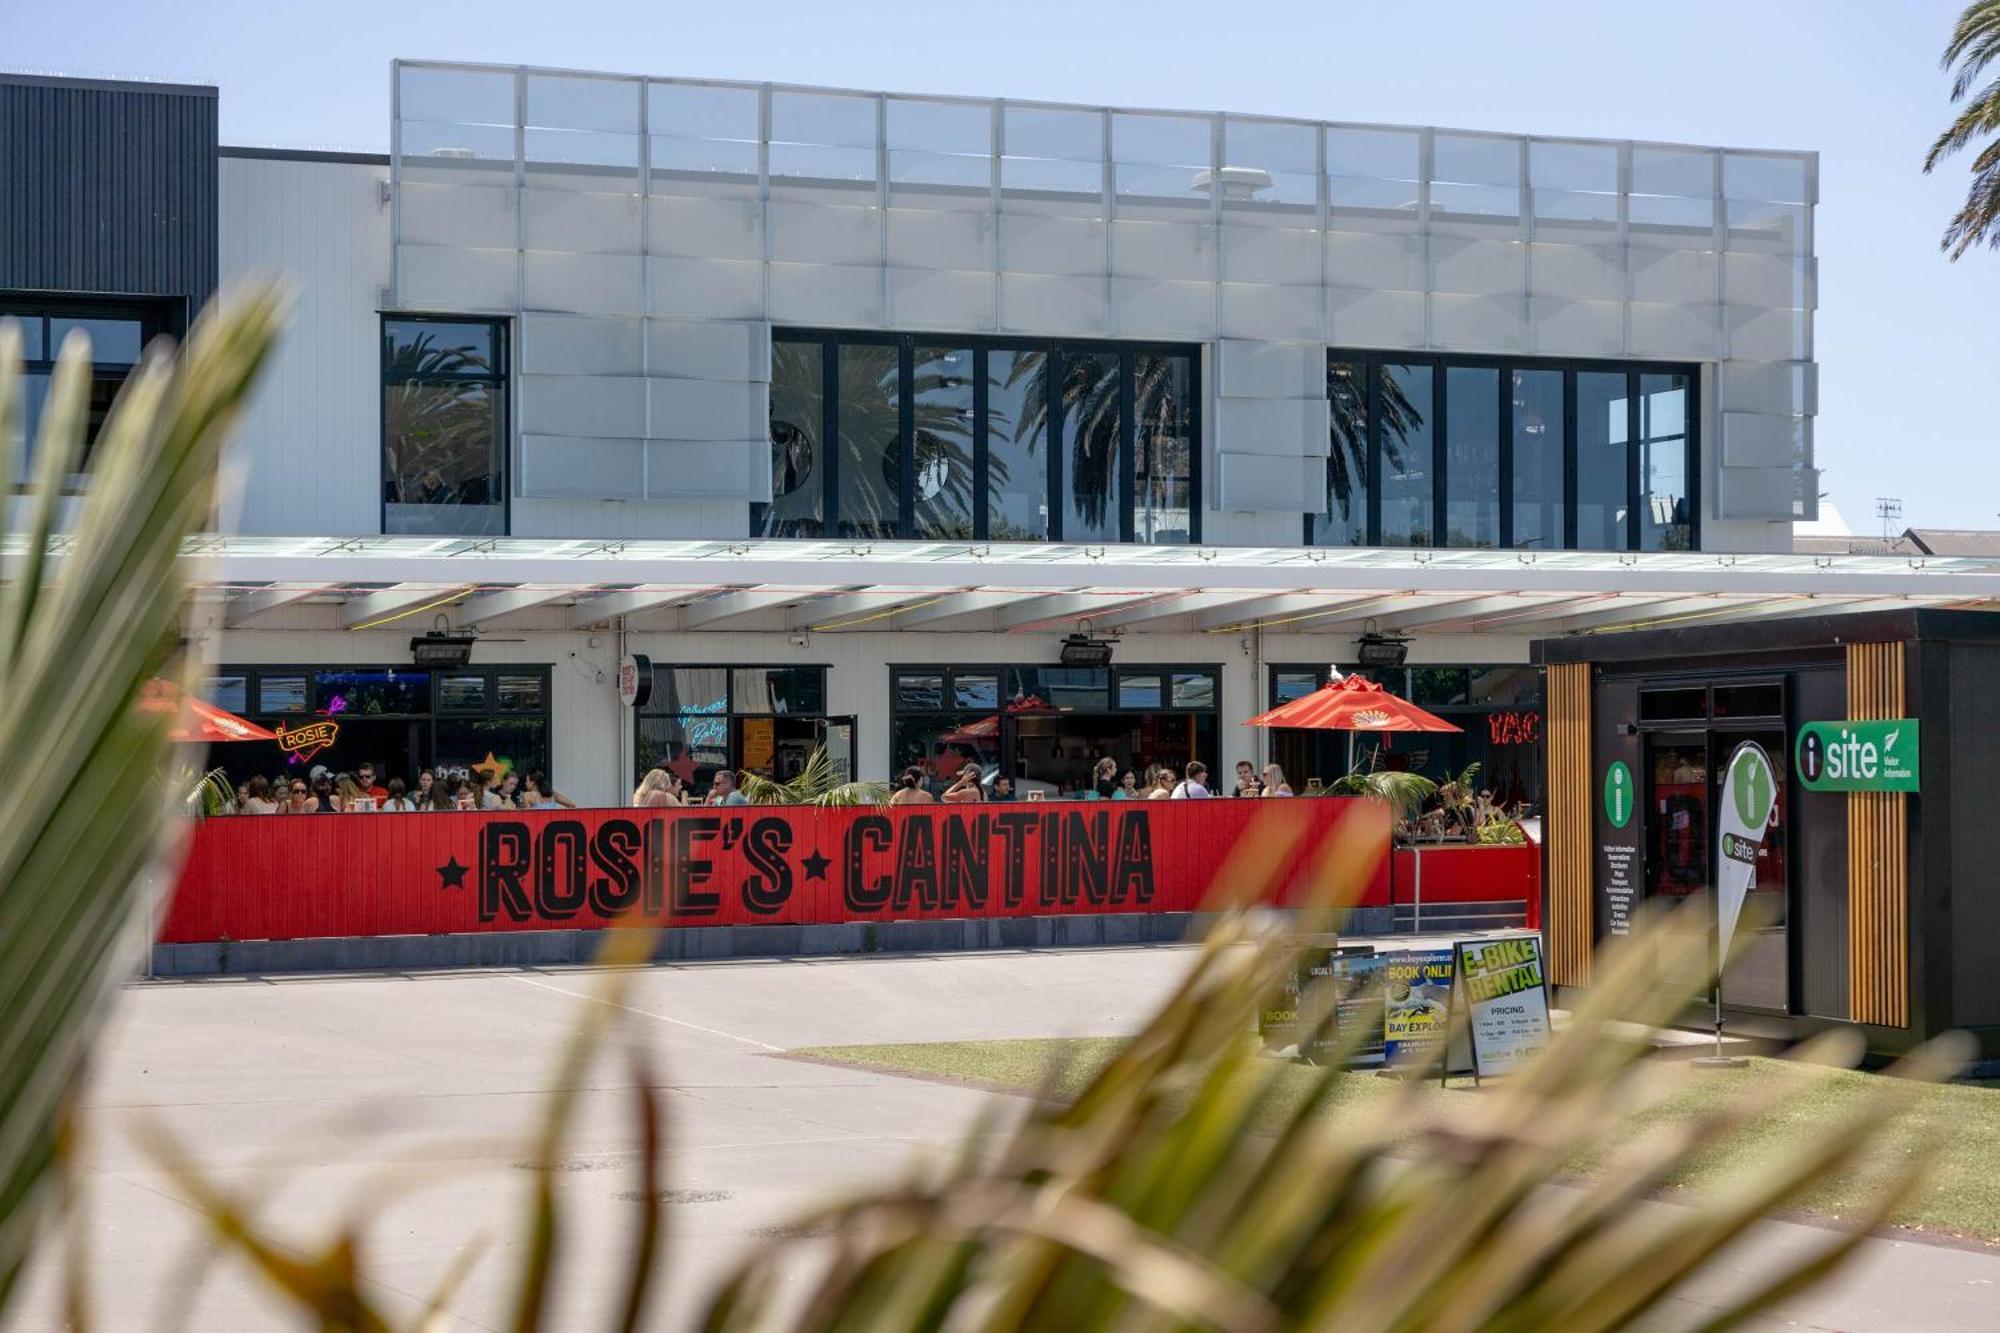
pixel 411 1095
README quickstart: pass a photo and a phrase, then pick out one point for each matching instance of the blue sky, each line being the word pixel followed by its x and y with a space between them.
pixel 1909 400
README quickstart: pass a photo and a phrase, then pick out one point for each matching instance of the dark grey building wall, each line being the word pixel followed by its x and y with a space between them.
pixel 107 187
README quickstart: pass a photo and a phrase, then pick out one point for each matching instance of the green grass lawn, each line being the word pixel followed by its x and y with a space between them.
pixel 1962 1197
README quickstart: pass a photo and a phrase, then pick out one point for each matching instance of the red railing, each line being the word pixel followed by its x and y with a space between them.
pixel 278 877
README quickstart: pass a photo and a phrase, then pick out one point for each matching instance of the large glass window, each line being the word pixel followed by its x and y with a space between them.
pixel 1538 439
pixel 1505 452
pixel 1163 435
pixel 945 399
pixel 798 423
pixel 985 438
pixel 1344 521
pixel 1404 429
pixel 700 719
pixel 1664 520
pixel 118 332
pixel 1472 456
pixel 444 426
pixel 869 413
pixel 1092 458
pixel 1016 484
pixel 1603 487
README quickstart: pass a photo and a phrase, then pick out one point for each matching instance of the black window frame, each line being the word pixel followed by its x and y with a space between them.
pixel 731 713
pixel 157 317
pixel 1373 359
pixel 500 377
pixel 1059 443
pixel 429 717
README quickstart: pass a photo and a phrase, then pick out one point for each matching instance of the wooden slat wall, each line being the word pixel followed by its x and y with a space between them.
pixel 1878 863
pixel 1570 822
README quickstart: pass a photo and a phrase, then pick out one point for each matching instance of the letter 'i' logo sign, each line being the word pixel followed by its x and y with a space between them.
pixel 1754 790
pixel 1618 794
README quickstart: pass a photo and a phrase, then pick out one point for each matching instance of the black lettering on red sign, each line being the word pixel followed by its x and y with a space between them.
pixel 614 850
pixel 691 872
pixel 1135 859
pixel 769 884
pixel 967 854
pixel 870 833
pixel 1087 858
pixel 1013 828
pixel 505 854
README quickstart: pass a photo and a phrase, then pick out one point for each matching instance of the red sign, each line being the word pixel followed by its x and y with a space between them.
pixel 298 876
pixel 1514 728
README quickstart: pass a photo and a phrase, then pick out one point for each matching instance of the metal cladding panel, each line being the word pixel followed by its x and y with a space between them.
pixel 107 188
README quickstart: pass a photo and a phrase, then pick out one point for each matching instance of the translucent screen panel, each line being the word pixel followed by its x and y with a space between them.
pixel 701 133
pixel 461 96
pixel 947 146
pixel 1270 165
pixel 1373 176
pixel 1051 152
pixel 1161 160
pixel 1771 177
pixel 1574 189
pixel 1475 177
pixel 823 137
pixel 584 122
pixel 1673 194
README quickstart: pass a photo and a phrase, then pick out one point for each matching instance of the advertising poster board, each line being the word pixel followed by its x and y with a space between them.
pixel 1351 970
pixel 1507 1001
pixel 1416 1010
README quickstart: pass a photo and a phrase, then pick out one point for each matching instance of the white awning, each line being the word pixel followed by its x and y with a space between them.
pixel 835 586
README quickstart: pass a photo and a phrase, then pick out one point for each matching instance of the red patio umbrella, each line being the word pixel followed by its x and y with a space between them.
pixel 1352 703
pixel 198 720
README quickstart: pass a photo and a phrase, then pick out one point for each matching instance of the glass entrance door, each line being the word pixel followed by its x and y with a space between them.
pixel 1759 977
pixel 1677 815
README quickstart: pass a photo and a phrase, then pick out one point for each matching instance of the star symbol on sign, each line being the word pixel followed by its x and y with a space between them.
pixel 490 768
pixel 816 866
pixel 451 875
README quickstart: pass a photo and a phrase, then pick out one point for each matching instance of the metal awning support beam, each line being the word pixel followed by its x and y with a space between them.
pixel 961 605
pixel 1468 611
pixel 490 608
pixel 1644 613
pixel 860 610
pixel 1184 604
pixel 1064 610
pixel 240 611
pixel 713 612
pixel 625 602
pixel 1298 612
pixel 405 601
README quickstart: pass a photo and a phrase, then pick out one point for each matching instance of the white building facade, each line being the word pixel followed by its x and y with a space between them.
pixel 845 409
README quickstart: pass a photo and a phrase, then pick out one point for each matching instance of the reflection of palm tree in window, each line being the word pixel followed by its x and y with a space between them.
pixel 439 424
pixel 1090 420
pixel 1347 464
pixel 942 390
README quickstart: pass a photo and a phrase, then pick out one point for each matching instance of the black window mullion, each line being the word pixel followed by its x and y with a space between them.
pixel 829 434
pixel 1506 457
pixel 1569 461
pixel 981 501
pixel 1440 449
pixel 1632 478
pixel 1128 447
pixel 1057 444
pixel 1372 370
pixel 1692 444
pixel 906 437
pixel 1193 410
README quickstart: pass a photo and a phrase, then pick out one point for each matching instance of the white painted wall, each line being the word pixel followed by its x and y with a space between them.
pixel 308 457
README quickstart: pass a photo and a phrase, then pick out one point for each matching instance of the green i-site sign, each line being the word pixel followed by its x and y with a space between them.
pixel 1619 796
pixel 1857 756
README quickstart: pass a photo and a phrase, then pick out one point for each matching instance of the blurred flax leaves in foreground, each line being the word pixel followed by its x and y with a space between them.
pixel 1183 1187
pixel 83 811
